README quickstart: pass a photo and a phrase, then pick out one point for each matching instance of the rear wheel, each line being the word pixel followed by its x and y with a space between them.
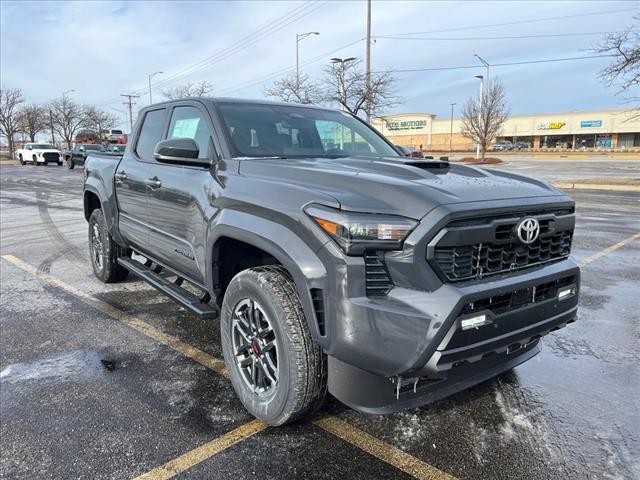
pixel 104 251
pixel 276 369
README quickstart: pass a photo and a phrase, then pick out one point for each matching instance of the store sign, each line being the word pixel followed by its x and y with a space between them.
pixel 407 125
pixel 590 123
pixel 550 125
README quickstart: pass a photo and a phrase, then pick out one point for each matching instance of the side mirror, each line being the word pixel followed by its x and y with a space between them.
pixel 82 149
pixel 181 151
pixel 29 147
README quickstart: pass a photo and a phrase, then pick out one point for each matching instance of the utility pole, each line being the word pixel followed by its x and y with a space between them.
pixel 130 103
pixel 299 38
pixel 451 128
pixel 480 123
pixel 368 63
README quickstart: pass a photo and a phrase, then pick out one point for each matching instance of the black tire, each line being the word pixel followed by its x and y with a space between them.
pixel 70 164
pixel 60 163
pixel 104 252
pixel 22 162
pixel 301 365
pixel 34 161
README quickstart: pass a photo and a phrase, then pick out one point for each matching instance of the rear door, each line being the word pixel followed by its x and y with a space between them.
pixel 131 179
pixel 180 196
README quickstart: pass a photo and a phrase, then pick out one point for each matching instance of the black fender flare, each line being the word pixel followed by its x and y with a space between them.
pixel 302 263
pixel 108 205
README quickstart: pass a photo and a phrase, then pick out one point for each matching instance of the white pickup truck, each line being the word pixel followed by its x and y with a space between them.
pixel 38 154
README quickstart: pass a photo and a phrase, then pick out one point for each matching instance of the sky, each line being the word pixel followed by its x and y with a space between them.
pixel 104 49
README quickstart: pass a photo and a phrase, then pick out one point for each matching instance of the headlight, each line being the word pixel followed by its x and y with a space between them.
pixel 357 232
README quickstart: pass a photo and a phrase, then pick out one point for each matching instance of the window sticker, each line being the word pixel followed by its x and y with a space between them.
pixel 185 128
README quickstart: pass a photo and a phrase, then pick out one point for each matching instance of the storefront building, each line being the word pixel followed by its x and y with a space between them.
pixel 589 130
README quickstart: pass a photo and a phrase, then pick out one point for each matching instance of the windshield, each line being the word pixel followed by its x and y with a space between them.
pixel 42 145
pixel 93 146
pixel 258 130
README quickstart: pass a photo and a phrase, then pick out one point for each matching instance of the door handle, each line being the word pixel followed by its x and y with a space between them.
pixel 153 182
pixel 120 176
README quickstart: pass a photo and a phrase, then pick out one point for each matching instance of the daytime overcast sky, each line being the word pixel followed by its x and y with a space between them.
pixel 104 49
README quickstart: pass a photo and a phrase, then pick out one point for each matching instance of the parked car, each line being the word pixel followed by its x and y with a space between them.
pixel 78 154
pixel 388 282
pixel 502 145
pixel 410 152
pixel 521 145
pixel 114 135
pixel 116 147
pixel 38 154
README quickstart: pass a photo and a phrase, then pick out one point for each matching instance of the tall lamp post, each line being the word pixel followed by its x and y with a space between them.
pixel 481 78
pixel 485 63
pixel 342 62
pixel 151 75
pixel 299 38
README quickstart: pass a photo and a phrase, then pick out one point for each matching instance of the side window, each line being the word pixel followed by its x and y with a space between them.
pixel 188 122
pixel 150 134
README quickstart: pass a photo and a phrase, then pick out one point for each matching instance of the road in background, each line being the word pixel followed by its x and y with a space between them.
pixel 84 395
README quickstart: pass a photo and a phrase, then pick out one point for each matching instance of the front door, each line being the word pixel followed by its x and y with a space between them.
pixel 179 196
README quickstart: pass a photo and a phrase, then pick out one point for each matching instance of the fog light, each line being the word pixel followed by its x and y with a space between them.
pixel 566 292
pixel 474 322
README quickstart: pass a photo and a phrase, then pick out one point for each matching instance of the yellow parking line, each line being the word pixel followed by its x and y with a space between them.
pixel 215 364
pixel 203 452
pixel 333 425
pixel 387 453
pixel 608 250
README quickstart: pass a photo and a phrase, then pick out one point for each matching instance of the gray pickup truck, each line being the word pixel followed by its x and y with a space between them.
pixel 332 261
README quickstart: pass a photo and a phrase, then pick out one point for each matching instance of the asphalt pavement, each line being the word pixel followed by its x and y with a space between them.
pixel 116 381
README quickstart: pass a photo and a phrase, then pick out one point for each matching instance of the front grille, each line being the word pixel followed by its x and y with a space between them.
pixel 378 280
pixel 51 156
pixel 496 248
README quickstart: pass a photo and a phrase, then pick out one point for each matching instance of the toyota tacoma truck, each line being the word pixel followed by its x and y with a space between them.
pixel 333 262
pixel 78 154
pixel 38 154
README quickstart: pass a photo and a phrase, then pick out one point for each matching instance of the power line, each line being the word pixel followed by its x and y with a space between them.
pixel 528 62
pixel 517 22
pixel 247 41
pixel 545 35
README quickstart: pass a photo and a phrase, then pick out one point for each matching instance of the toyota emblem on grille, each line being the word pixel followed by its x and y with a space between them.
pixel 528 230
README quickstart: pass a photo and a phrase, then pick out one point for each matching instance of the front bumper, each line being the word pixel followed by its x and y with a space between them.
pixel 407 348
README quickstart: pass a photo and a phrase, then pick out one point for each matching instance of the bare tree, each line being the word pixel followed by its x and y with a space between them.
pixel 201 89
pixel 345 83
pixel 67 118
pixel 296 90
pixel 483 116
pixel 624 70
pixel 97 120
pixel 10 100
pixel 33 120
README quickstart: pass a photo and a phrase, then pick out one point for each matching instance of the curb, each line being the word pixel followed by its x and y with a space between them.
pixel 597 186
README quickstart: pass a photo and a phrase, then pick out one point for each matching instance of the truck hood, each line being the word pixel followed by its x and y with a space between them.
pixel 398 186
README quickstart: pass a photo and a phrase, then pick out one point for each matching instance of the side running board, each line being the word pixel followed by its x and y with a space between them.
pixel 173 290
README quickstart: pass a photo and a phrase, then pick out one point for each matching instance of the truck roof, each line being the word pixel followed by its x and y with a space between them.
pixel 248 101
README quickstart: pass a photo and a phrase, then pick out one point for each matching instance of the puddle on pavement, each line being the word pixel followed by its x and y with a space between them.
pixel 64 366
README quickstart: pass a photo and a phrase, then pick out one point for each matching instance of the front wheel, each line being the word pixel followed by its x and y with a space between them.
pixel 277 371
pixel 22 162
pixel 34 161
pixel 104 251
pixel 70 164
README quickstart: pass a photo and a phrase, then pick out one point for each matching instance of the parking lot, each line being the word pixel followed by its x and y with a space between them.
pixel 116 381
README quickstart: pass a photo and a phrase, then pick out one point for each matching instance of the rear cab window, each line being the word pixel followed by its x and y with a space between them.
pixel 151 133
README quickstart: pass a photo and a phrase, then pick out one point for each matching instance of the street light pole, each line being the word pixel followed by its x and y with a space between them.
pixel 151 75
pixel 485 63
pixel 480 113
pixel 368 63
pixel 451 129
pixel 300 37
